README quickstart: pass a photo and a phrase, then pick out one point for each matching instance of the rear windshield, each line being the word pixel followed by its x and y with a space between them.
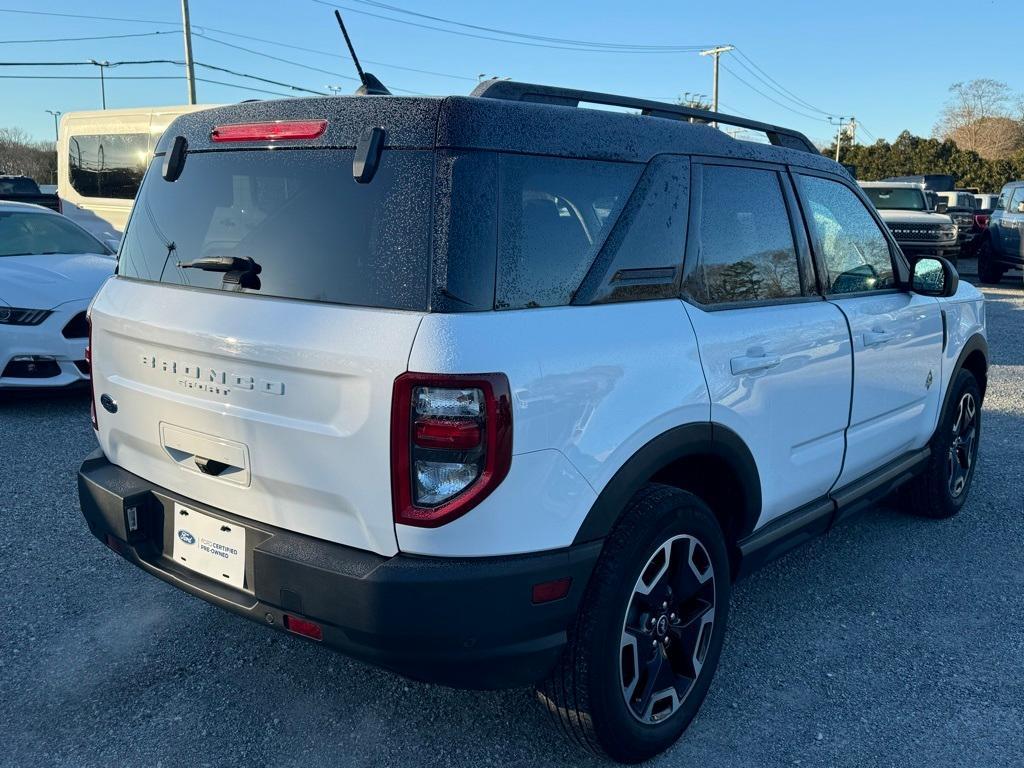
pixel 299 215
pixel 18 186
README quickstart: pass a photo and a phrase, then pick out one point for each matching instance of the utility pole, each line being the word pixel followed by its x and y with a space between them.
pixel 190 72
pixel 103 83
pixel 839 123
pixel 56 129
pixel 716 53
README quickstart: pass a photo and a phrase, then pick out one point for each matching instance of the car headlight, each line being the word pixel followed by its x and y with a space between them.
pixel 16 316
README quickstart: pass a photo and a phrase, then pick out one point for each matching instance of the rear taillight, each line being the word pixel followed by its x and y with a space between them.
pixel 281 129
pixel 451 444
pixel 92 379
pixel 981 219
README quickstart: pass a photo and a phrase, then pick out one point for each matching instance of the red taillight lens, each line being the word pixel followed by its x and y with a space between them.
pixel 981 219
pixel 92 380
pixel 445 433
pixel 303 627
pixel 451 444
pixel 275 131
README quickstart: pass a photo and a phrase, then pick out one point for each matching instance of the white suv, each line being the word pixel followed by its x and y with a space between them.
pixel 497 391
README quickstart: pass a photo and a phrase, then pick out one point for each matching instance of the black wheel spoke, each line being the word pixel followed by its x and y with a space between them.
pixel 666 629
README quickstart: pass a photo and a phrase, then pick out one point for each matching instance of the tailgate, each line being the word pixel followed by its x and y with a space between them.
pixel 272 409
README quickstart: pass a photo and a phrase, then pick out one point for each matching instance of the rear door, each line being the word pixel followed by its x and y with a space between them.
pixel 776 356
pixel 266 391
pixel 897 335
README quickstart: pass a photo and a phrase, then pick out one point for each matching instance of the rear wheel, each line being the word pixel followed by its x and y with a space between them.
pixel 941 490
pixel 650 630
pixel 988 270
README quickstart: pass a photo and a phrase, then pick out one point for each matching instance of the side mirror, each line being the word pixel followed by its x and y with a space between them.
pixel 933 276
pixel 941 206
pixel 113 243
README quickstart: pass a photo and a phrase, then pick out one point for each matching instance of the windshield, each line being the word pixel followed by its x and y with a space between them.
pixel 290 223
pixel 897 198
pixel 23 234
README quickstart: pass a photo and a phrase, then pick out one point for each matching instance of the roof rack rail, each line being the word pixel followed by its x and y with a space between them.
pixel 509 90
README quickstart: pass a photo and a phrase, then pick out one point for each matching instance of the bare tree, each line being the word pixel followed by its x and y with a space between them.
pixel 20 155
pixel 978 118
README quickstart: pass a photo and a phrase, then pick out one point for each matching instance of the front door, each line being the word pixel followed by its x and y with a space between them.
pixel 776 355
pixel 897 335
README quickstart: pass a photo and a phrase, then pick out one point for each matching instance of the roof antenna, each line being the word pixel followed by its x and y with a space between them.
pixel 371 86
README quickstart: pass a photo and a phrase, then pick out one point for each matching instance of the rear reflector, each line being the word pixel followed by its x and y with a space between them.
pixel 303 627
pixel 547 591
pixel 282 129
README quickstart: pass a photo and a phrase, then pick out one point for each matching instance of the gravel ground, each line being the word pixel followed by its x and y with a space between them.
pixel 892 641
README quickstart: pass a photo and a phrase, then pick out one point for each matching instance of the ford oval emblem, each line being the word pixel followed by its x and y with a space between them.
pixel 187 537
pixel 109 404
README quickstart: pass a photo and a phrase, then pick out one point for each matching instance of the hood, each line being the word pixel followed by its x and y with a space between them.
pixel 43 282
pixel 914 217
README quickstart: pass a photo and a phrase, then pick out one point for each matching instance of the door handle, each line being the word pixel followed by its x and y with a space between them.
pixel 752 363
pixel 876 337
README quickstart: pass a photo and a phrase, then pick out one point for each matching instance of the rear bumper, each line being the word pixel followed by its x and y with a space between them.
pixel 466 622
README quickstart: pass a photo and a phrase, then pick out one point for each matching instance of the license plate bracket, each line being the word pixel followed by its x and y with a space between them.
pixel 211 547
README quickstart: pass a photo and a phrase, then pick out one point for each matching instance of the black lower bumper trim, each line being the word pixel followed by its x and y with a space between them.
pixel 465 622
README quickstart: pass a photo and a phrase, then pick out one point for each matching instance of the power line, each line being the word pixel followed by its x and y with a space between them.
pixel 90 17
pixel 542 38
pixel 771 99
pixel 681 49
pixel 160 61
pixel 141 77
pixel 204 28
pixel 778 87
pixel 331 54
pixel 76 39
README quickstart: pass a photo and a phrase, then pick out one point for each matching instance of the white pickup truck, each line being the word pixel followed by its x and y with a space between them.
pixel 919 230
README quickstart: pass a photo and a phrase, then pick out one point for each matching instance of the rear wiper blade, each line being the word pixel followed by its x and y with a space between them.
pixel 222 264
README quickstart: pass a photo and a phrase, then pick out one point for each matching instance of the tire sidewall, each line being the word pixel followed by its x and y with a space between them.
pixel 623 736
pixel 963 383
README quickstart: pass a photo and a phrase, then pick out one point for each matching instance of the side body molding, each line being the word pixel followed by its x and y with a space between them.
pixel 689 440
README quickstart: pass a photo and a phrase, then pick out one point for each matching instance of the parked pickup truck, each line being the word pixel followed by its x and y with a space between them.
pixel 919 230
pixel 22 189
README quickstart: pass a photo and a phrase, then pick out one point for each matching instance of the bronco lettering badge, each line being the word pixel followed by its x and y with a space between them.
pixel 209 379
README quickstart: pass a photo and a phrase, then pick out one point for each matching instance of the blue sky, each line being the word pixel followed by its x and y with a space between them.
pixel 888 63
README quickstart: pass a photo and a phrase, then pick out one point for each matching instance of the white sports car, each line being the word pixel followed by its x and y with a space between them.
pixel 50 268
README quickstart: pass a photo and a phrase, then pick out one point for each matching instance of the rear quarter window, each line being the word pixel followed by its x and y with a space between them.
pixel 554 215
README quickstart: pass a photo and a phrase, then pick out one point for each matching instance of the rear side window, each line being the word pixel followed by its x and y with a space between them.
pixel 299 215
pixel 746 250
pixel 643 255
pixel 108 165
pixel 554 214
pixel 847 238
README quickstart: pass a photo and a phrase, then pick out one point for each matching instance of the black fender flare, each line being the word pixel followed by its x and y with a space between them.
pixel 701 439
pixel 975 343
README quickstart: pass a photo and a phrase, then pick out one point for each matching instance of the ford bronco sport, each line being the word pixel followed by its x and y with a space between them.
pixel 499 391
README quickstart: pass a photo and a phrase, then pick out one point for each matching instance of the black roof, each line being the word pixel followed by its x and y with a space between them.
pixel 511 117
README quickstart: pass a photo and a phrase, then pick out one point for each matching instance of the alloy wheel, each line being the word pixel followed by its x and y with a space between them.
pixel 961 450
pixel 667 629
